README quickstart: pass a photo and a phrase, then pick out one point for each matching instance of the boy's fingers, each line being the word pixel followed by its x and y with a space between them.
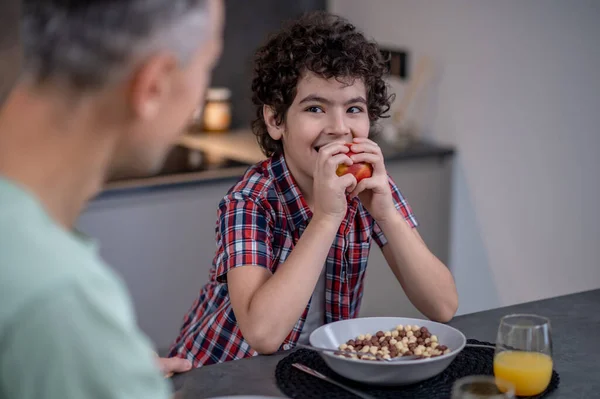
pixel 171 365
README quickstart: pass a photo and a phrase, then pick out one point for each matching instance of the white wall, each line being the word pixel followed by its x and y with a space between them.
pixel 518 92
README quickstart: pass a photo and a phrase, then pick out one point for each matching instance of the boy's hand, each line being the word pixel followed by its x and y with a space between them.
pixel 171 365
pixel 329 189
pixel 374 192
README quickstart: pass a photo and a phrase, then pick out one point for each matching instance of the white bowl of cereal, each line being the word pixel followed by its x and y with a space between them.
pixel 369 340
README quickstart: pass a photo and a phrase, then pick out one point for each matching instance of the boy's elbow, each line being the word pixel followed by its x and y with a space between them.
pixel 445 315
pixel 266 348
pixel 262 341
pixel 447 310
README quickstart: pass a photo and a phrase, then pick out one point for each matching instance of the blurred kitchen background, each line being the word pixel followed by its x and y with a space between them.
pixel 9 45
pixel 494 140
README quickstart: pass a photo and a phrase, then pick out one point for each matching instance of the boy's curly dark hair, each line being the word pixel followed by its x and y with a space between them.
pixel 322 43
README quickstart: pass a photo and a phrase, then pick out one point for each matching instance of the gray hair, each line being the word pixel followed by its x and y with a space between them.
pixel 90 43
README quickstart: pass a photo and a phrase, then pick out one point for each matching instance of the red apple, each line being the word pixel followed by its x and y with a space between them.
pixel 360 170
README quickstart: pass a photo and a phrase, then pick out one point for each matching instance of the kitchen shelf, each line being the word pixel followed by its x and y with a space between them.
pixel 238 145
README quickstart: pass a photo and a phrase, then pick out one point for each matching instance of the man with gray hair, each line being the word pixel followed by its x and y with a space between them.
pixel 105 89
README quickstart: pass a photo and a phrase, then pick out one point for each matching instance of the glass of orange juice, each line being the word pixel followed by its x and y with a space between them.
pixel 524 353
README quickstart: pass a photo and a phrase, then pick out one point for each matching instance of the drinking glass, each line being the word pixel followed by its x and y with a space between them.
pixel 482 387
pixel 524 353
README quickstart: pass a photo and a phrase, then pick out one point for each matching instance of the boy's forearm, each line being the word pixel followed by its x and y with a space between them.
pixel 278 304
pixel 428 283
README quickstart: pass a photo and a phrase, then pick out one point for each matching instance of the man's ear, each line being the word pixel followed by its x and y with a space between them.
pixel 151 84
pixel 275 130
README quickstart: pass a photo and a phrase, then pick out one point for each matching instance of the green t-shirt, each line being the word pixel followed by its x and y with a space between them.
pixel 67 327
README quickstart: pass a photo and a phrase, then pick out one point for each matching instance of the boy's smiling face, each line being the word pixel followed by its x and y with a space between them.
pixel 324 110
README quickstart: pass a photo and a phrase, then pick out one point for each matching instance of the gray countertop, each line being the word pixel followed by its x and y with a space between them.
pixel 575 321
pixel 177 174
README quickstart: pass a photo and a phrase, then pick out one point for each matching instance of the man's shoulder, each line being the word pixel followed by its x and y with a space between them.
pixel 39 258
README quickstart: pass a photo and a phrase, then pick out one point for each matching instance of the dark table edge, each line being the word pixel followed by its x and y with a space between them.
pixel 508 307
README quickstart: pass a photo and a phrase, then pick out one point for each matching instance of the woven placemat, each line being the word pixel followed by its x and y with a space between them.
pixel 470 361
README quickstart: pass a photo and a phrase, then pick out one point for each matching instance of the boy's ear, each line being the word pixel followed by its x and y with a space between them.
pixel 275 130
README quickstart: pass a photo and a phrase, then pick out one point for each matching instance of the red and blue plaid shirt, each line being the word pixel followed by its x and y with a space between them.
pixel 259 221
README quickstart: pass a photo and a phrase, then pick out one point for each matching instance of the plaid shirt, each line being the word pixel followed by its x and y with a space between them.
pixel 259 222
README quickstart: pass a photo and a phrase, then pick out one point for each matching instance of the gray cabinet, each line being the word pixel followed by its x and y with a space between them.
pixel 425 183
pixel 162 243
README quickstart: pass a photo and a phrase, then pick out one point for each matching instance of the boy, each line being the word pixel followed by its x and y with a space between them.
pixel 293 237
pixel 106 87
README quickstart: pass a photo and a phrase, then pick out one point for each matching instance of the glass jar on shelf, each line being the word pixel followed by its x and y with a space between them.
pixel 216 115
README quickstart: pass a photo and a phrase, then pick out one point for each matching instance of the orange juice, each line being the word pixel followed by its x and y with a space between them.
pixel 530 372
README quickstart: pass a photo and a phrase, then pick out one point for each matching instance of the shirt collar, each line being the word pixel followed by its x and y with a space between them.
pixel 294 205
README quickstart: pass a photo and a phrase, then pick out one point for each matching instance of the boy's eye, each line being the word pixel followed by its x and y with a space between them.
pixel 354 110
pixel 314 109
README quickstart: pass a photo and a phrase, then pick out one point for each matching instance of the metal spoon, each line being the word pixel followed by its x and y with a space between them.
pixel 315 373
pixel 340 352
pixel 480 346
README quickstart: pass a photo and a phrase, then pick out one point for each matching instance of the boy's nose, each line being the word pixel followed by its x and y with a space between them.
pixel 338 126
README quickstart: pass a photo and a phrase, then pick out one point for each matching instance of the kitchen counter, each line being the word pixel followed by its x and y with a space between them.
pixel 237 150
pixel 241 146
pixel 575 323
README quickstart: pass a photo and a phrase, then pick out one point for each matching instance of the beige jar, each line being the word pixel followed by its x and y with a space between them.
pixel 217 110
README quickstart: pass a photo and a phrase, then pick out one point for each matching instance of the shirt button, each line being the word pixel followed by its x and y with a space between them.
pixel 287 347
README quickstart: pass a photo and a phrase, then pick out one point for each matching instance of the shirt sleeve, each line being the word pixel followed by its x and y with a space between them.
pixel 402 206
pixel 78 342
pixel 244 235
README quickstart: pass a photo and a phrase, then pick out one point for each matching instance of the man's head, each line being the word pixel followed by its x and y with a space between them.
pixel 143 64
pixel 316 81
